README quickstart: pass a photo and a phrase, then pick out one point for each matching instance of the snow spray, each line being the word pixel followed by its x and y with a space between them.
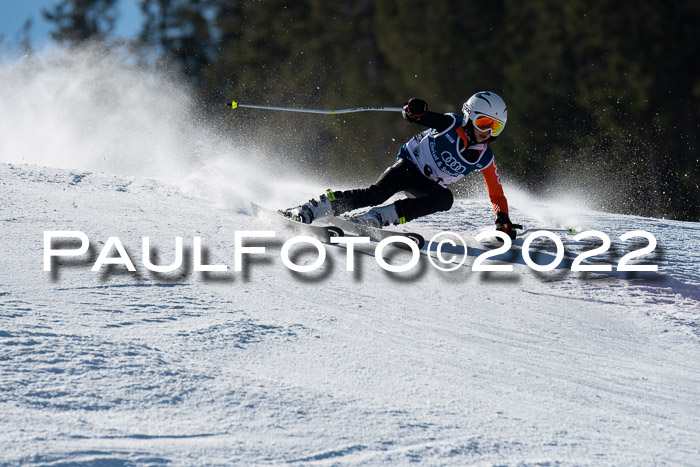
pixel 106 110
pixel 88 108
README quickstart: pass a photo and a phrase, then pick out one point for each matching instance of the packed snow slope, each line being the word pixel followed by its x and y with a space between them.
pixel 269 366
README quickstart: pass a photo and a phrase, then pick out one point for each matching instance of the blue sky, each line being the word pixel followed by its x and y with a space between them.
pixel 13 14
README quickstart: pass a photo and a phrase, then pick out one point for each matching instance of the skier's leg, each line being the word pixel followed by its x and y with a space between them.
pixel 436 198
pixel 403 175
pixel 400 176
pixel 429 196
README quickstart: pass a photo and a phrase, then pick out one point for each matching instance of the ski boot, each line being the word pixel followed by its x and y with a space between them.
pixel 379 217
pixel 308 212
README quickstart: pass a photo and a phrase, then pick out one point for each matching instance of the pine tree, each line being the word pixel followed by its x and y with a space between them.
pixel 77 21
pixel 182 32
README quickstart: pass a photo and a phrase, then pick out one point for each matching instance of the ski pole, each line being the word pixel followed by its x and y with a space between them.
pixel 569 231
pixel 236 105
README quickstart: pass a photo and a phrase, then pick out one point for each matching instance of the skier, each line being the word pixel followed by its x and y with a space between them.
pixel 451 147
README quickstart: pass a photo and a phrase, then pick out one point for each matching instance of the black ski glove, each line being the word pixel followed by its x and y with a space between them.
pixel 504 224
pixel 414 109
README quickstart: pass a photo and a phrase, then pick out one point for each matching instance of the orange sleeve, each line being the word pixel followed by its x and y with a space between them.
pixel 493 184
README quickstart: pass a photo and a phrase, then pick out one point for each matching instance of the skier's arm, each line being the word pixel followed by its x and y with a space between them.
pixel 493 184
pixel 416 111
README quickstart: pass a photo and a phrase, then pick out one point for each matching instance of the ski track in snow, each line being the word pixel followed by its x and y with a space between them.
pixel 333 367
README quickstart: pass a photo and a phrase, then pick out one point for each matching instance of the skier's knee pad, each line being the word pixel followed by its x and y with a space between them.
pixel 359 198
pixel 444 200
pixel 344 201
pixel 377 194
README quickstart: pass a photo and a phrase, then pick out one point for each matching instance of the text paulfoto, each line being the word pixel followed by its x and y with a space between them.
pixel 446 251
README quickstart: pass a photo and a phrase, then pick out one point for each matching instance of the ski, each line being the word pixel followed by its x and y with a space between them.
pixel 321 232
pixel 375 234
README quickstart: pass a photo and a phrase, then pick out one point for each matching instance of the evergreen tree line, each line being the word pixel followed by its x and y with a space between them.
pixel 603 96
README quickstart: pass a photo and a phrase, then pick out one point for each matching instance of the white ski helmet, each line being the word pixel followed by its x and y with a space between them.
pixel 487 112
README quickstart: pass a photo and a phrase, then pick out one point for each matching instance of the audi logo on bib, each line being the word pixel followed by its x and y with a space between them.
pixel 452 163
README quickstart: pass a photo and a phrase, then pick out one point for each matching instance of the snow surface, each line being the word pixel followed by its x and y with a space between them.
pixel 268 366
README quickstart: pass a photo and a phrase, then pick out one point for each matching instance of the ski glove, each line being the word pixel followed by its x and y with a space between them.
pixel 504 224
pixel 414 109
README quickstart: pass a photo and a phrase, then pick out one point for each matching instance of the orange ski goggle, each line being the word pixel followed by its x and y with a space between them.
pixel 484 123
